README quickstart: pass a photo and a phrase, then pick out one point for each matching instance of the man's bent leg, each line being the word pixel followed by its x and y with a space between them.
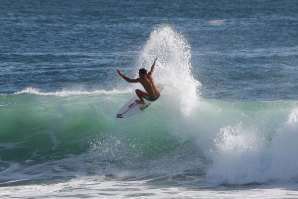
pixel 141 95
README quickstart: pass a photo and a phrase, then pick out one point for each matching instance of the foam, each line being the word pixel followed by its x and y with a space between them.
pixel 63 93
pixel 243 156
pixel 99 187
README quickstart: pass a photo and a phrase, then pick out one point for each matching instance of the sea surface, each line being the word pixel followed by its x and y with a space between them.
pixel 225 126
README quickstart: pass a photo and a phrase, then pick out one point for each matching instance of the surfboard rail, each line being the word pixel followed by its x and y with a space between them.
pixel 132 108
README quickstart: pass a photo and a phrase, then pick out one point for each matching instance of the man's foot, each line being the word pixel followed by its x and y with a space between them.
pixel 140 102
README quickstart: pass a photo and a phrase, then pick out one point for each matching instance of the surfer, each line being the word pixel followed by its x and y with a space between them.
pixel 152 91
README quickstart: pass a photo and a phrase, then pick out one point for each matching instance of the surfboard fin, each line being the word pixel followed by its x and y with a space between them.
pixel 119 116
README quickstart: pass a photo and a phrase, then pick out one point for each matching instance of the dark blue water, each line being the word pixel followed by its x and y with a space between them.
pixel 240 50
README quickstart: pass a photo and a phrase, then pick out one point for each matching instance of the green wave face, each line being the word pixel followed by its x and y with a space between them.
pixel 39 128
pixel 35 127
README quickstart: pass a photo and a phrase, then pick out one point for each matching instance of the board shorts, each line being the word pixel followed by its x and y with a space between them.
pixel 148 98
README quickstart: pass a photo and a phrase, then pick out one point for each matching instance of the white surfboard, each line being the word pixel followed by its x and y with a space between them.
pixel 131 108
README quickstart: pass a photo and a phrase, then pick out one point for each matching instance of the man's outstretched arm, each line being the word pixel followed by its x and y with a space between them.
pixel 126 78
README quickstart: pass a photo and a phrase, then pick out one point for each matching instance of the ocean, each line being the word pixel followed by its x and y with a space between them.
pixel 225 126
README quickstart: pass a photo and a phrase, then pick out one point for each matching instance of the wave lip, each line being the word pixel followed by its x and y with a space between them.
pixel 64 93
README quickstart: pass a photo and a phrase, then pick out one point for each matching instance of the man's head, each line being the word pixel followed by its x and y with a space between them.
pixel 142 72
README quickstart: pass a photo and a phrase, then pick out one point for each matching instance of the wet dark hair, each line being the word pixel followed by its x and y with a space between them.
pixel 143 71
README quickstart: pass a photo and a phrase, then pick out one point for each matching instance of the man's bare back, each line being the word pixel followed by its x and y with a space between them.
pixel 152 91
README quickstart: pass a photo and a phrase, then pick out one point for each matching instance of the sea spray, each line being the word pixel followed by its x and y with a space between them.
pixel 173 68
pixel 238 152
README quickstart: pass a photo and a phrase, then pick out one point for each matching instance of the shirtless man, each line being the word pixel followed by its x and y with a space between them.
pixel 152 91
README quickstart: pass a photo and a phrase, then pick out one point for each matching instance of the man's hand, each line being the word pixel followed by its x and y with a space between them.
pixel 128 79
